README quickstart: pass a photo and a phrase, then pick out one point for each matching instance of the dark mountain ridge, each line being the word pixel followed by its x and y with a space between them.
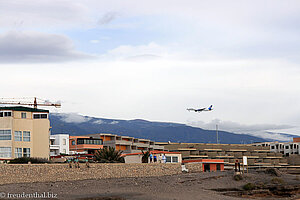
pixel 157 131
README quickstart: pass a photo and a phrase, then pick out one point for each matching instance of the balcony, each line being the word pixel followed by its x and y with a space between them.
pixel 54 147
pixel 141 144
pixel 120 142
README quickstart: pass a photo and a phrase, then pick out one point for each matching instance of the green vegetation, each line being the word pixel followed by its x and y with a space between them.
pixel 145 157
pixel 25 160
pixel 277 180
pixel 109 155
pixel 249 186
pixel 238 177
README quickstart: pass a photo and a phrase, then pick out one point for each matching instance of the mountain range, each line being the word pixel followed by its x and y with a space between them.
pixel 75 124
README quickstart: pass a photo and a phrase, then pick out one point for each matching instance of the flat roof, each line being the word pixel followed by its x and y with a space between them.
pixel 22 108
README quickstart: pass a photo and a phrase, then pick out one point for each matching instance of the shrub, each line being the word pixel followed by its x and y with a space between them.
pixel 249 186
pixel 25 160
pixel 238 177
pixel 109 155
pixel 145 156
pixel 277 180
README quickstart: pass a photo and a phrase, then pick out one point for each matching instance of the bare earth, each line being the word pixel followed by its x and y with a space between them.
pixel 184 186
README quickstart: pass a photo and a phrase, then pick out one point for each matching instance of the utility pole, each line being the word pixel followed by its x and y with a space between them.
pixel 217 133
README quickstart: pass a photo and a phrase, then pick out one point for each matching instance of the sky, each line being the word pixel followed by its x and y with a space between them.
pixel 130 59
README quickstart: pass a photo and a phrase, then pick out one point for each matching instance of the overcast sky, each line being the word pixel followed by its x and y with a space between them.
pixel 153 59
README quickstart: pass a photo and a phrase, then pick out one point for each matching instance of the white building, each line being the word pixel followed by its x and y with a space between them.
pixel 59 144
pixel 286 148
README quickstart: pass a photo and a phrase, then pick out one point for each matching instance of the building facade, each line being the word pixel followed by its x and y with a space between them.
pixel 286 148
pixel 59 144
pixel 127 144
pixel 24 132
pixel 84 144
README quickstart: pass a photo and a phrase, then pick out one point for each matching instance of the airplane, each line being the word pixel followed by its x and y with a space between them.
pixel 201 109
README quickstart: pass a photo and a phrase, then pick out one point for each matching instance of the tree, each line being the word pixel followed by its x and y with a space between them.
pixel 145 157
pixel 109 155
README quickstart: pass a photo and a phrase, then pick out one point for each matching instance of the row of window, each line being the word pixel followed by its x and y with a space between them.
pixel 88 141
pixel 6 135
pixel 6 114
pixel 171 159
pixel 286 147
pixel 5 152
pixel 23 115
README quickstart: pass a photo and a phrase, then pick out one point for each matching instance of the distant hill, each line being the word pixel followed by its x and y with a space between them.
pixel 157 131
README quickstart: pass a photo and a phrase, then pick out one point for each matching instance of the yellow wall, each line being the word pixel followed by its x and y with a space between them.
pixel 39 134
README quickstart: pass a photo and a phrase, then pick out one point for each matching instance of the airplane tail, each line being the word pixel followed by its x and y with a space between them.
pixel 210 107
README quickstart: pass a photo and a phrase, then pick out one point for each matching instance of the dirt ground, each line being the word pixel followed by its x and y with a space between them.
pixel 208 185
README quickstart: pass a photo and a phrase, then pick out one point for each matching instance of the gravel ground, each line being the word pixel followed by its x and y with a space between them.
pixel 183 186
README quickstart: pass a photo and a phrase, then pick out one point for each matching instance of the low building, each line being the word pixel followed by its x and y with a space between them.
pixel 24 132
pixel 171 157
pixel 59 144
pixel 208 165
pixel 127 144
pixel 84 144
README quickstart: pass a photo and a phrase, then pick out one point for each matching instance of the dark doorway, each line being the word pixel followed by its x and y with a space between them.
pixel 218 167
pixel 206 167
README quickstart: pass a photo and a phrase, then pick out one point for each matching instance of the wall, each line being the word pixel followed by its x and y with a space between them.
pixel 61 172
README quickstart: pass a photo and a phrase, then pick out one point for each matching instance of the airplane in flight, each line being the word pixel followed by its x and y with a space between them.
pixel 201 109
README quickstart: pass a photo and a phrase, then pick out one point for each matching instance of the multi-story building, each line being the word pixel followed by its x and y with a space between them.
pixel 127 144
pixel 286 148
pixel 59 144
pixel 24 132
pixel 84 144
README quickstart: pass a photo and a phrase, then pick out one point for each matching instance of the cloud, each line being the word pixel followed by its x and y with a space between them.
pixel 267 131
pixel 150 51
pixel 73 118
pixel 107 18
pixel 19 47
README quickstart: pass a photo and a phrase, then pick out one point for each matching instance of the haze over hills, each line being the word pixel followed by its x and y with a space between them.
pixel 75 124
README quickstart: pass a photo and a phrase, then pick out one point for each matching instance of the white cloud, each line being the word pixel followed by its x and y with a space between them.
pixel 99 122
pixel 267 131
pixel 140 52
pixel 73 117
pixel 20 47
pixel 107 18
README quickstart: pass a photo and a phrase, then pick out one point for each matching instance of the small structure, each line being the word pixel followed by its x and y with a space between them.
pixel 171 157
pixel 59 144
pixel 208 164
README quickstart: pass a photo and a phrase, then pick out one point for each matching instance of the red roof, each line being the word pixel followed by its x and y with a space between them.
pixel 153 152
pixel 204 161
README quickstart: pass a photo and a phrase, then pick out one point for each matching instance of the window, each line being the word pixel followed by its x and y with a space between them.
pixel 286 147
pixel 89 141
pixel 168 159
pixel 73 142
pixel 18 152
pixel 26 136
pixel 40 116
pixel 272 147
pixel 18 135
pixel 7 114
pixel 26 152
pixel 64 141
pixel 174 159
pixel 5 152
pixel 1 114
pixel 5 134
pixel 23 115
